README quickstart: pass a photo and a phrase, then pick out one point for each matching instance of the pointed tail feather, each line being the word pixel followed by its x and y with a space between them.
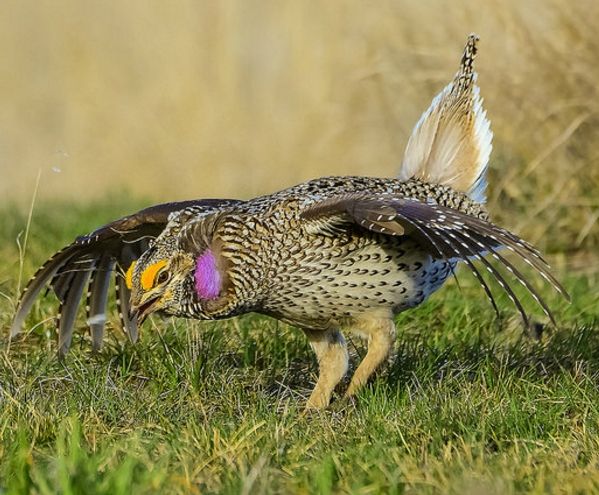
pixel 451 143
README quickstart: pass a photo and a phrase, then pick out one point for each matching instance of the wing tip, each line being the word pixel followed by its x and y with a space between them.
pixel 15 328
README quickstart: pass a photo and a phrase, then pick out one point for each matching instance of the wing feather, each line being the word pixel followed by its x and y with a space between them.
pixel 37 283
pixel 457 251
pixel 68 311
pixel 122 301
pixel 66 269
pixel 97 299
pixel 443 231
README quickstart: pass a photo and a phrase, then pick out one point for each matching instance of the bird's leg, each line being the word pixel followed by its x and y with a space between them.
pixel 380 333
pixel 331 353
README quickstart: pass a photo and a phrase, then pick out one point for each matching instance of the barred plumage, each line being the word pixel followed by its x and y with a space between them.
pixel 329 254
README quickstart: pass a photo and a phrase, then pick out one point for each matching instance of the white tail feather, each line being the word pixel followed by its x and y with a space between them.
pixel 451 142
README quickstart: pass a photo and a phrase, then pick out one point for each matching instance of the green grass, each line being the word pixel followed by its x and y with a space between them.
pixel 467 405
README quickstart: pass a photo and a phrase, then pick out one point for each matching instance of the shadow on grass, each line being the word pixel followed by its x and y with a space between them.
pixel 568 350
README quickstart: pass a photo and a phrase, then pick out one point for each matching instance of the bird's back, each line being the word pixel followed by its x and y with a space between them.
pixel 282 267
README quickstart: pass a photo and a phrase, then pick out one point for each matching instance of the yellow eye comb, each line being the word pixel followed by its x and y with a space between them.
pixel 149 274
pixel 147 277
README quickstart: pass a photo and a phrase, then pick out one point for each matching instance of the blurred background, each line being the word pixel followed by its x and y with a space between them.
pixel 185 99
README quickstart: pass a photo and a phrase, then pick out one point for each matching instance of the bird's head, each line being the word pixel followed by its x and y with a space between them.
pixel 171 280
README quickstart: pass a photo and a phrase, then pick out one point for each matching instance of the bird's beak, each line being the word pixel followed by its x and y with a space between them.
pixel 146 306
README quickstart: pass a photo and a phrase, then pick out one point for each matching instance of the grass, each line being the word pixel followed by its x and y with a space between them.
pixel 467 405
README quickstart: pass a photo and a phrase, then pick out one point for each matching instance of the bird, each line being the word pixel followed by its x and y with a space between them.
pixel 330 256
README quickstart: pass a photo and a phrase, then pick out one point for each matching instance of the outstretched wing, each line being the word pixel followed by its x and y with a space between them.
pixel 91 260
pixel 444 232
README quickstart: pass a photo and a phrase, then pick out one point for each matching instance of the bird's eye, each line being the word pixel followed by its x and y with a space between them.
pixel 163 277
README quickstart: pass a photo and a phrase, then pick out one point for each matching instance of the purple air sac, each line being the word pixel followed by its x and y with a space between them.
pixel 208 280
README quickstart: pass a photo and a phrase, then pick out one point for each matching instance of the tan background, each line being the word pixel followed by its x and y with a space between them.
pixel 184 99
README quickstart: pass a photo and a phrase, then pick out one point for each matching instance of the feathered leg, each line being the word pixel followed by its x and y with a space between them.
pixel 331 352
pixel 380 333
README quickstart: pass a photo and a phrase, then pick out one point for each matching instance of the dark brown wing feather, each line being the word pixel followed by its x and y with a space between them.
pixel 452 250
pixel 445 232
pixel 97 299
pixel 114 244
pixel 68 311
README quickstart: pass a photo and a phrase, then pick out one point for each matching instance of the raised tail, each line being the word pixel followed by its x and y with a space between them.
pixel 451 142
